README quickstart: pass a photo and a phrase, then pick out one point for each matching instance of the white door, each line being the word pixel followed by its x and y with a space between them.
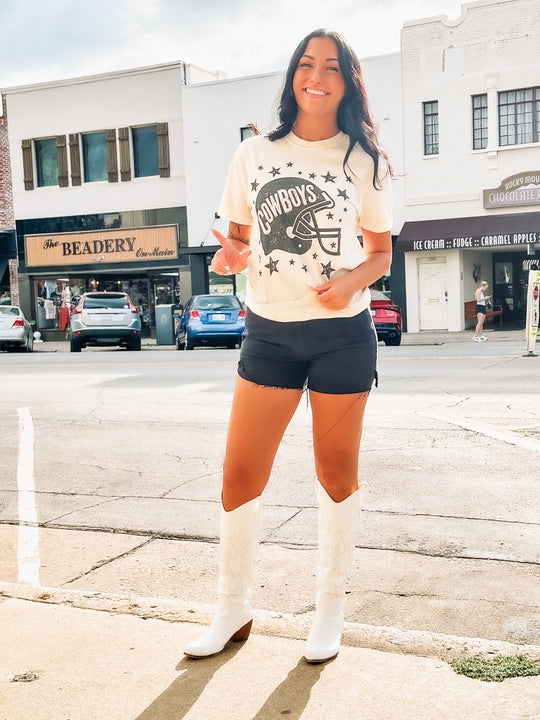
pixel 433 295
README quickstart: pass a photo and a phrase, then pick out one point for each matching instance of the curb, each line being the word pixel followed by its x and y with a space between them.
pixel 420 643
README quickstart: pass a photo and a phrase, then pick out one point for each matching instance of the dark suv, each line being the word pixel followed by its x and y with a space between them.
pixel 105 318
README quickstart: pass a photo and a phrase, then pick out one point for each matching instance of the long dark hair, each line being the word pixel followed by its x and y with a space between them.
pixel 353 117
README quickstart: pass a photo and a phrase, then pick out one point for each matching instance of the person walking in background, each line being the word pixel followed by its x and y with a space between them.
pixel 480 311
pixel 297 200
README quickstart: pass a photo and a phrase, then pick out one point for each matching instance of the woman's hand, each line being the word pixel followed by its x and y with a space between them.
pixel 233 256
pixel 335 294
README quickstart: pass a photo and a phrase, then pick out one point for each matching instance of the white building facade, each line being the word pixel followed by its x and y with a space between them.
pixel 471 103
pixel 99 188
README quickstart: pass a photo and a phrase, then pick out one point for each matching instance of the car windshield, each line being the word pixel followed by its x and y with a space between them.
pixel 9 310
pixel 220 302
pixel 110 301
pixel 378 295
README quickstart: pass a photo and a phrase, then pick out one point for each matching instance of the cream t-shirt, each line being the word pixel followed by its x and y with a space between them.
pixel 306 212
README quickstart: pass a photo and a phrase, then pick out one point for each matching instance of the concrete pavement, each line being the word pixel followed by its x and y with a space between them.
pixel 104 631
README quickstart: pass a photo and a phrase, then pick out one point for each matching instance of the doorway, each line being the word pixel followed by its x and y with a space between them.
pixel 433 294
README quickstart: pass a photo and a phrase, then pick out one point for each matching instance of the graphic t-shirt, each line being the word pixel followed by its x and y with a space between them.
pixel 306 212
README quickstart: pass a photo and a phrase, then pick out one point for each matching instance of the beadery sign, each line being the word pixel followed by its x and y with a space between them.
pixel 520 189
pixel 122 245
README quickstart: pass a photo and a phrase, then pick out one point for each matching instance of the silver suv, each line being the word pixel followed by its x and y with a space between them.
pixel 105 318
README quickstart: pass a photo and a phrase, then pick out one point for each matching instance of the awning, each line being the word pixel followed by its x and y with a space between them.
pixel 486 231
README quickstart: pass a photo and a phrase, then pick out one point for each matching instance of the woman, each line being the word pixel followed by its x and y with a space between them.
pixel 296 201
pixel 480 311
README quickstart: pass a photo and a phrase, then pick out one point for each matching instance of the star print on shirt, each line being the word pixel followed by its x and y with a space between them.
pixel 330 216
pixel 349 178
pixel 254 185
pixel 312 176
pixel 304 268
pixel 289 164
pixel 343 194
pixel 275 171
pixel 291 262
pixel 327 269
pixel 328 177
pixel 260 167
pixel 272 266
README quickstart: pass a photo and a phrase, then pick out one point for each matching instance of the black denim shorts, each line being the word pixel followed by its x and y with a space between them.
pixel 334 356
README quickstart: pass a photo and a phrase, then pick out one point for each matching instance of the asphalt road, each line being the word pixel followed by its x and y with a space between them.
pixel 124 482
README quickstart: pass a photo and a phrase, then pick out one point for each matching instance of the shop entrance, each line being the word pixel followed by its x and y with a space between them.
pixel 55 297
pixel 433 294
pixel 510 277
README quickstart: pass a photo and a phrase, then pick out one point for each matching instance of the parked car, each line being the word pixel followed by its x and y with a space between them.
pixel 16 331
pixel 386 318
pixel 105 318
pixel 211 320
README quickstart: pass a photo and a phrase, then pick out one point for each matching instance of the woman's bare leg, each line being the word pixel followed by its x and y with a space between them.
pixel 259 417
pixel 480 324
pixel 337 431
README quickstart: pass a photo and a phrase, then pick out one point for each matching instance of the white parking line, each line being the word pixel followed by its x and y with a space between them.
pixel 509 436
pixel 28 560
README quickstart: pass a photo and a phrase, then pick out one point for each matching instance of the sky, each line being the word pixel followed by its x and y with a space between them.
pixel 46 40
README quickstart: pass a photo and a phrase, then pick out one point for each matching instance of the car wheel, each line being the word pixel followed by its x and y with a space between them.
pixel 180 342
pixel 135 344
pixel 30 344
pixel 188 342
pixel 75 345
pixel 394 341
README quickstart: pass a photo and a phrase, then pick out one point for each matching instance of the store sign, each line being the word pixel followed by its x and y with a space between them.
pixel 533 309
pixel 520 189
pixel 475 241
pixel 102 247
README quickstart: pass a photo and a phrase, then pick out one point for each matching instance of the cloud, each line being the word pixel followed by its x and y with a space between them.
pixel 44 41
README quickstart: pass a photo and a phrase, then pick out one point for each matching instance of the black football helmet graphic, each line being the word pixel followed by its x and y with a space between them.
pixel 287 213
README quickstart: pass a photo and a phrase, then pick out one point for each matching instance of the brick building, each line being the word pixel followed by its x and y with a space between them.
pixel 8 262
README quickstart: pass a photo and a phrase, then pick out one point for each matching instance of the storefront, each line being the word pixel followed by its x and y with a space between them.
pixel 143 262
pixel 446 259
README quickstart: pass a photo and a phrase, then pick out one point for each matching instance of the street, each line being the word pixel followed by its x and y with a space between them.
pixel 125 484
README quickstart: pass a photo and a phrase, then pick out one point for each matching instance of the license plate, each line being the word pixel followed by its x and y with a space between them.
pixel 373 313
pixel 217 317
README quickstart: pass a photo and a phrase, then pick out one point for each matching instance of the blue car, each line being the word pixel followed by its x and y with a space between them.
pixel 211 320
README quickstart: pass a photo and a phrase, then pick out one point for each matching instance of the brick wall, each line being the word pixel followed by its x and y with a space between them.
pixel 7 218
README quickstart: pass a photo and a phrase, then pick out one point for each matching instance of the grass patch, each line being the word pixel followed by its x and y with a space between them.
pixel 496 669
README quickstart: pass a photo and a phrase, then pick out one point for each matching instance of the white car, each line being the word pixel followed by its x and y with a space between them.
pixel 103 319
pixel 15 330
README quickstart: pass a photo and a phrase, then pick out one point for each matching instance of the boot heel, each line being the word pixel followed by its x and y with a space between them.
pixel 243 633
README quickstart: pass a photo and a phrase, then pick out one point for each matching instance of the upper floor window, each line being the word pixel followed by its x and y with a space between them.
pixel 431 128
pixel 480 121
pixel 519 116
pixel 248 131
pixel 94 150
pixel 145 150
pixel 46 162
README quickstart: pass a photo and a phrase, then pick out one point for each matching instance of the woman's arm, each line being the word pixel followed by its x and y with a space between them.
pixel 233 256
pixel 337 294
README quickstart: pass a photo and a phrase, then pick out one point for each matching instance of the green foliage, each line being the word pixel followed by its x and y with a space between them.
pixel 496 669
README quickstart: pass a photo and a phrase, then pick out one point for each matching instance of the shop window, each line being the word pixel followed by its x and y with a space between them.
pixel 248 131
pixel 94 150
pixel 519 116
pixel 431 127
pixel 46 162
pixel 480 121
pixel 145 151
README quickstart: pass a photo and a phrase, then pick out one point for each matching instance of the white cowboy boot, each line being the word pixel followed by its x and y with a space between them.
pixel 336 544
pixel 239 538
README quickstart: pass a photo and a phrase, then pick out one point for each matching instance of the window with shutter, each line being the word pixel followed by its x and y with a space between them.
pixel 112 157
pixel 163 150
pixel 125 158
pixel 28 164
pixel 75 159
pixel 62 159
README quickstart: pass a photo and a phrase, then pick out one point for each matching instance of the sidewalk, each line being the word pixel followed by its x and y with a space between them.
pixel 91 664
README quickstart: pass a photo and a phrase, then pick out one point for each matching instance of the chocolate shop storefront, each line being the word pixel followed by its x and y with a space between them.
pixel 59 268
pixel 446 259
